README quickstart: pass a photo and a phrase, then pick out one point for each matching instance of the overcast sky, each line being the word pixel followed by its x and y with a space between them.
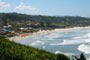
pixel 47 7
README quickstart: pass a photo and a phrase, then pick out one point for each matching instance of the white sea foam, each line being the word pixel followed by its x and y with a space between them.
pixel 88 58
pixel 44 47
pixel 54 36
pixel 66 42
pixel 51 35
pixel 36 43
pixel 88 40
pixel 75 40
pixel 59 52
pixel 81 37
pixel 85 37
pixel 69 42
pixel 88 37
pixel 84 48
pixel 32 44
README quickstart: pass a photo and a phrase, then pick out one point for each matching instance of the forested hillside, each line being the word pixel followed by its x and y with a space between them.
pixel 23 19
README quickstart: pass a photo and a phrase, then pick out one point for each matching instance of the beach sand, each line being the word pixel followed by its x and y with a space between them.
pixel 44 32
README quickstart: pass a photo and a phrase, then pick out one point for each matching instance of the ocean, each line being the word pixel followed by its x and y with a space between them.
pixel 71 42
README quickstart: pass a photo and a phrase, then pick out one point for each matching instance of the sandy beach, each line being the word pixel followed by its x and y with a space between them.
pixel 44 32
pixel 25 36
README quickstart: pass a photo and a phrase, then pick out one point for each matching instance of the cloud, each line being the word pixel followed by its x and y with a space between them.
pixel 4 5
pixel 22 7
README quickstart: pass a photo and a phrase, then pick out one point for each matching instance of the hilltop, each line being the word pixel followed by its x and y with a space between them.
pixel 12 24
pixel 39 20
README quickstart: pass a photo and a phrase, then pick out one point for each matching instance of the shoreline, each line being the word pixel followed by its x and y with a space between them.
pixel 44 32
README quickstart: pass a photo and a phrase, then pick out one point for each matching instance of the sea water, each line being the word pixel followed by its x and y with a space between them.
pixel 72 42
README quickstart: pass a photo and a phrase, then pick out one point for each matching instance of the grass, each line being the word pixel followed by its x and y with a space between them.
pixel 14 51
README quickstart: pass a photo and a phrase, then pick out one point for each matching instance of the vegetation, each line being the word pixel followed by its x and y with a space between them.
pixel 82 57
pixel 38 21
pixel 13 51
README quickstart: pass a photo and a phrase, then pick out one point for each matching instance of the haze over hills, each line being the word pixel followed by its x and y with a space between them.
pixel 67 21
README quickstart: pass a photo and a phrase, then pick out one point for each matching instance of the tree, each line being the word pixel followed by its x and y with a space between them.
pixel 82 57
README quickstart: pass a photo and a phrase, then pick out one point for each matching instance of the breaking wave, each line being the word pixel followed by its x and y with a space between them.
pixel 75 40
pixel 38 42
pixel 59 52
pixel 84 48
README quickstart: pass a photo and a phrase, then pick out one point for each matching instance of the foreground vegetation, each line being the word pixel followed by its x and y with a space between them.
pixel 13 51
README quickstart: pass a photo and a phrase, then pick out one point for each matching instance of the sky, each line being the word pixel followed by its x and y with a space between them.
pixel 47 7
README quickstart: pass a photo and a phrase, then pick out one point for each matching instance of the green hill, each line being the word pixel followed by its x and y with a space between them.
pixel 14 51
pixel 17 19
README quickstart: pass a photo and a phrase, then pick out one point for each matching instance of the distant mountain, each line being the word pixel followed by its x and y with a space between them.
pixel 68 21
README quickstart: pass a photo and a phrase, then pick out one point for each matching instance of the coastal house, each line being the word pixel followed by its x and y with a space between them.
pixel 7 32
pixel 26 29
pixel 7 26
pixel 2 31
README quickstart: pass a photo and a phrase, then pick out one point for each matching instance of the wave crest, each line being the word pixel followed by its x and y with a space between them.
pixel 84 48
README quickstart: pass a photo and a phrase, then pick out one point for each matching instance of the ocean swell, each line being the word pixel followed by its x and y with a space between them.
pixel 84 48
